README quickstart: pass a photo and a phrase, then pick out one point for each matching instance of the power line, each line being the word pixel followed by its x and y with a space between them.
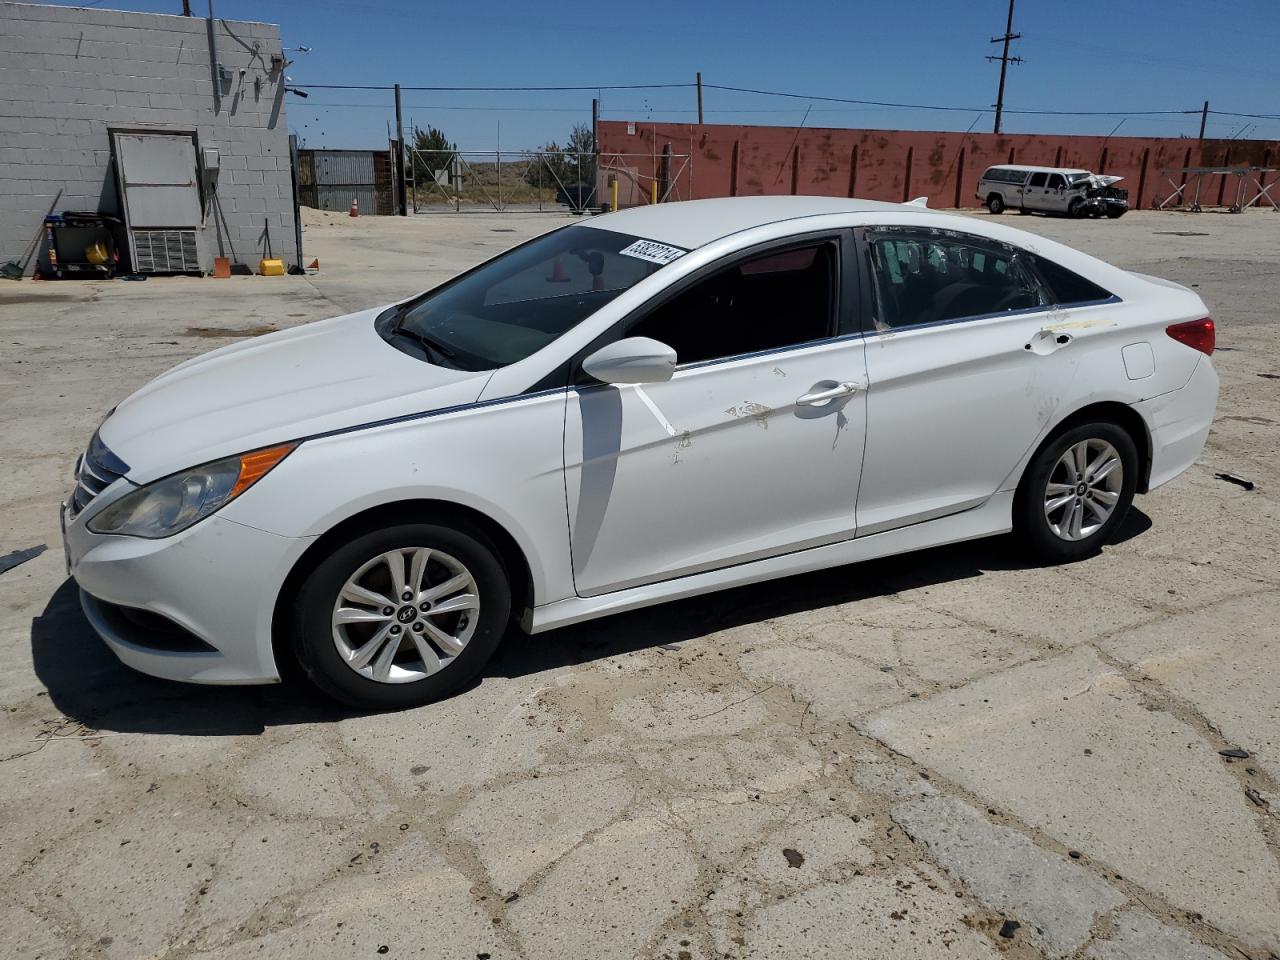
pixel 952 109
pixel 887 104
pixel 594 86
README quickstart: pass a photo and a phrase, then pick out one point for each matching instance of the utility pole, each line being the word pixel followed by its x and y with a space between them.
pixel 1005 60
pixel 595 125
pixel 186 8
pixel 1204 117
pixel 699 98
pixel 401 198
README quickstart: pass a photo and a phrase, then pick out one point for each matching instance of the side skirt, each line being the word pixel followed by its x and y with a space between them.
pixel 995 516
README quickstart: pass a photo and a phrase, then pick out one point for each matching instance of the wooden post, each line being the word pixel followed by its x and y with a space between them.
pixel 1142 177
pixel 401 198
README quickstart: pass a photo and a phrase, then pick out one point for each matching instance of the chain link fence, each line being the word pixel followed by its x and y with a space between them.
pixel 533 181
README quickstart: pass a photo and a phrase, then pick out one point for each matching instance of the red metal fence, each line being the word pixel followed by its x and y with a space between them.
pixel 898 165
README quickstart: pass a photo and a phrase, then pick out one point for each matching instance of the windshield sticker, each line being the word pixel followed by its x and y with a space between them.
pixel 653 252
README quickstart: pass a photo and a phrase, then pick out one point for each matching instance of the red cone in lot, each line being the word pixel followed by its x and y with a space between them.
pixel 558 273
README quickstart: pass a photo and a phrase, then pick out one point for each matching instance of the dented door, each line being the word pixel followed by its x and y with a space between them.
pixel 725 463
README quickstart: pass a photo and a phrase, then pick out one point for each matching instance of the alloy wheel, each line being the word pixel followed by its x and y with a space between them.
pixel 405 615
pixel 1083 489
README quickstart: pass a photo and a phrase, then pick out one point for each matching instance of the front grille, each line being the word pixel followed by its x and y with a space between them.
pixel 96 470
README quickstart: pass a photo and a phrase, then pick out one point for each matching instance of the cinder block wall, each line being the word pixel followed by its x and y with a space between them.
pixel 69 74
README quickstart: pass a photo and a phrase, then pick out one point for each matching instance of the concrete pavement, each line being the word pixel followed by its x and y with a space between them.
pixel 947 754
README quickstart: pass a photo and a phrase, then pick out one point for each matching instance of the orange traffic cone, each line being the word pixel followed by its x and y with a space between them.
pixel 314 264
pixel 558 273
pixel 355 207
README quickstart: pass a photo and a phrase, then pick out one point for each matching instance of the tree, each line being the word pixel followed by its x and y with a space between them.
pixel 573 163
pixel 432 151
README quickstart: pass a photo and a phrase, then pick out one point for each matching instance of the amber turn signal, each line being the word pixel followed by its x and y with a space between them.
pixel 257 464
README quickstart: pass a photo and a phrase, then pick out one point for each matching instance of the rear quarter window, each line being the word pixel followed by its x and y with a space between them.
pixel 1066 286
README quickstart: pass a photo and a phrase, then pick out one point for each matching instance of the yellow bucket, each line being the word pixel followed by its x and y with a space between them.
pixel 271 267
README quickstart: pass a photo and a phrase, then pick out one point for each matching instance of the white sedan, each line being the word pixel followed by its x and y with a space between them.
pixel 652 404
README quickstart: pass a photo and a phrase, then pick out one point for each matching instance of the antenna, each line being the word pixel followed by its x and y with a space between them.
pixel 1005 60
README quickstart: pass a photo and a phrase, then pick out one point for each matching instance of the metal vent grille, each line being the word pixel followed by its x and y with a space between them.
pixel 165 251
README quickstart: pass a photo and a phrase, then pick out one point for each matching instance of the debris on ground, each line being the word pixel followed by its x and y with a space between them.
pixel 1257 799
pixel 1235 753
pixel 1238 481
pixel 1009 928
pixel 794 858
pixel 11 560
pixel 1270 376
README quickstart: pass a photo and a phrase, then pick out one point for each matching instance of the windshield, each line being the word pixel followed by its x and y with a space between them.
pixel 1079 178
pixel 519 302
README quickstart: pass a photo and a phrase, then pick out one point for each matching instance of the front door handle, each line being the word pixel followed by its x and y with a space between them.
pixel 816 397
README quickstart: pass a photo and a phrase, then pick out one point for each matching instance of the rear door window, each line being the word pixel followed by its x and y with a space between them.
pixel 934 276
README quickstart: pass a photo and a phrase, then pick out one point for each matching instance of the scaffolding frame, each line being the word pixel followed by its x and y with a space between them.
pixel 1194 177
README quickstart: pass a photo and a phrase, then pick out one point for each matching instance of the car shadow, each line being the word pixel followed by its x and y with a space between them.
pixel 89 686
pixel 686 620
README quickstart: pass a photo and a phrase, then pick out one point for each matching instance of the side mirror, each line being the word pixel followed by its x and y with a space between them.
pixel 632 360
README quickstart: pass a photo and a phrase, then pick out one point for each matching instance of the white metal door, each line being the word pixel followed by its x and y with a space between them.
pixel 725 463
pixel 955 397
pixel 159 179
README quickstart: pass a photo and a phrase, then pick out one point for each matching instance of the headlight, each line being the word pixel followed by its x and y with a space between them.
pixel 169 506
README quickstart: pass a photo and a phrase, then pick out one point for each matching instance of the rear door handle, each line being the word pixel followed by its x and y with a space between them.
pixel 832 393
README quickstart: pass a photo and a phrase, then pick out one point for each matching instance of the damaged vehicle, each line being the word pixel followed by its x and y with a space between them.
pixel 1075 193
pixel 651 405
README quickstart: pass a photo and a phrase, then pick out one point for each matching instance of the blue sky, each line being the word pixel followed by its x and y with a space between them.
pixel 1080 55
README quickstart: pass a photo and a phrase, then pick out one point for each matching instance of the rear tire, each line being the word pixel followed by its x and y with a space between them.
pixel 379 639
pixel 995 204
pixel 1076 491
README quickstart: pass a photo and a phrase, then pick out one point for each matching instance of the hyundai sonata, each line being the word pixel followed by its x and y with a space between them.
pixel 652 404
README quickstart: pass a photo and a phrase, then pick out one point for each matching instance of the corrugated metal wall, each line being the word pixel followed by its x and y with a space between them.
pixel 331 179
pixel 898 165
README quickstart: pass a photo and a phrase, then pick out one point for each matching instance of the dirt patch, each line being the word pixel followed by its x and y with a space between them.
pixel 37 298
pixel 214 332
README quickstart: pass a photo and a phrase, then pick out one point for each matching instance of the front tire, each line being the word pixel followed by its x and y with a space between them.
pixel 401 616
pixel 1076 492
pixel 995 204
pixel 1075 209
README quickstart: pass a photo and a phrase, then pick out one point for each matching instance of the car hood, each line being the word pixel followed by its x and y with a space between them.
pixel 323 376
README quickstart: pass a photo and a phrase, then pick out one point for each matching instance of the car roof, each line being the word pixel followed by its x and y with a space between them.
pixel 695 223
pixel 1030 169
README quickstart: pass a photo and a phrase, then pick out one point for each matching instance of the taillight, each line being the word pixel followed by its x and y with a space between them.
pixel 1197 334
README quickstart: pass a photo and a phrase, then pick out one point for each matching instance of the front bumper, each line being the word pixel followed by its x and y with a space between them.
pixel 216 581
pixel 1179 422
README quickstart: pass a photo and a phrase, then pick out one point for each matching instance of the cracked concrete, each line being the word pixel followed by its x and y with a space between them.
pixel 896 759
